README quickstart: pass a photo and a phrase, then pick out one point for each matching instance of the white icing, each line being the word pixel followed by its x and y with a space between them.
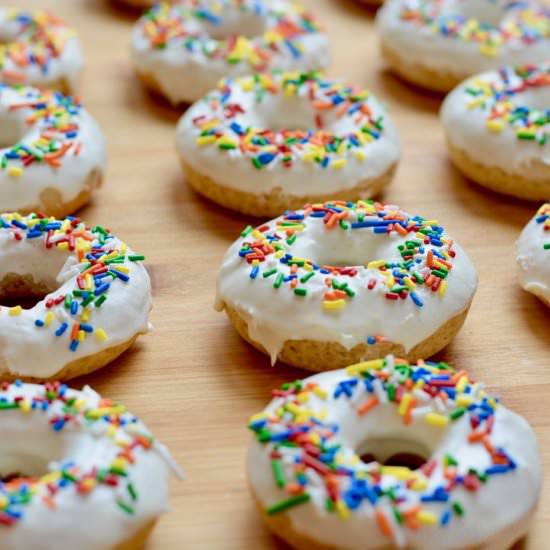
pixel 496 515
pixel 424 46
pixel 277 315
pixel 533 260
pixel 66 66
pixel 276 111
pixel 71 177
pixel 94 521
pixel 185 76
pixel 28 350
pixel 466 128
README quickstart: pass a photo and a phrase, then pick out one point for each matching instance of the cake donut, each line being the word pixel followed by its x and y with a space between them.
pixel 316 492
pixel 498 130
pixel 183 50
pixel 94 297
pixel 267 143
pixel 55 157
pixel 82 472
pixel 438 43
pixel 335 283
pixel 38 49
pixel 533 255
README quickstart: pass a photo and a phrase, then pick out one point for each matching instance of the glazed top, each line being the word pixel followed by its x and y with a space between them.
pixel 533 253
pixel 304 133
pixel 503 117
pixel 206 40
pixel 52 142
pixel 479 455
pixel 101 296
pixel 89 473
pixel 346 272
pixel 463 37
pixel 37 48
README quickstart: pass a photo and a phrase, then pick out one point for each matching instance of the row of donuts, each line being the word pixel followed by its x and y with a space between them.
pixel 269 245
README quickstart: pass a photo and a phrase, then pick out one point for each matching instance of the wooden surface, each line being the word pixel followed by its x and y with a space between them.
pixel 193 380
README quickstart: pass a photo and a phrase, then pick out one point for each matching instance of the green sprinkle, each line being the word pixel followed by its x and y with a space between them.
pixel 278 473
pixel 267 274
pixel 458 508
pixel 278 280
pixel 136 258
pixel 307 277
pixel 126 507
pixel 456 414
pixel 247 230
pixel 288 503
pixel 100 300
pixel 300 292
pixel 132 491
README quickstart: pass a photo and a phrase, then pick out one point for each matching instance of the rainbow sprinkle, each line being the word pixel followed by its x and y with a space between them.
pixel 41 38
pixel 58 120
pixel 66 409
pixel 498 99
pixel 102 261
pixel 180 26
pixel 225 130
pixel 543 218
pixel 306 453
pixel 426 254
pixel 522 23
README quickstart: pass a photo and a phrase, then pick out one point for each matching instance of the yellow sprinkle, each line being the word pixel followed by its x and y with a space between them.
pixel 25 405
pixel 404 405
pixel 101 335
pixel 464 400
pixel 342 509
pixel 120 463
pixel 435 419
pixel 419 484
pixel 206 140
pixel 15 171
pixel 49 318
pixel 461 384
pixel 360 155
pixel 15 311
pixel 376 264
pixel 320 393
pixel 50 478
pixel 427 518
pixel 399 472
pixel 81 336
pixel 374 364
pixel 495 126
pixel 63 246
pixel 338 164
pixel 334 304
pixel 85 317
pixel 443 287
pixel 303 397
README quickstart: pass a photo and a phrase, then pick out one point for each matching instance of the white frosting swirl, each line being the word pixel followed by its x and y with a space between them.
pixel 187 48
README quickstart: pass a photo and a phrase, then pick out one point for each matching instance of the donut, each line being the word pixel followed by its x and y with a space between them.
pixel 498 130
pixel 39 50
pixel 81 471
pixel 57 154
pixel 533 255
pixel 93 292
pixel 182 51
pixel 436 44
pixel 267 143
pixel 335 283
pixel 327 470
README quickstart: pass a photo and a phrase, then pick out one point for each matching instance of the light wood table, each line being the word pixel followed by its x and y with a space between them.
pixel 193 380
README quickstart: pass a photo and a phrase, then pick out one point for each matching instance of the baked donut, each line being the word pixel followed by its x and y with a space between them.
pixel 94 297
pixel 533 255
pixel 498 130
pixel 38 49
pixel 438 43
pixel 340 282
pixel 267 143
pixel 316 491
pixel 57 153
pixel 182 51
pixel 80 471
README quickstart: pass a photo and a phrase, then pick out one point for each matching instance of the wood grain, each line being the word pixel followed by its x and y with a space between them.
pixel 193 380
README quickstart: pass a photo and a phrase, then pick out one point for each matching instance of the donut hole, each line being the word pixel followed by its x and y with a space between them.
pixel 395 452
pixel 24 290
pixel 231 25
pixel 13 128
pixel 486 12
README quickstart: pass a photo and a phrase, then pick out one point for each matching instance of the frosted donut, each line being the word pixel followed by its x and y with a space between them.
pixel 95 297
pixel 55 157
pixel 265 144
pixel 340 282
pixel 533 255
pixel 498 130
pixel 37 48
pixel 182 51
pixel 314 491
pixel 437 44
pixel 83 471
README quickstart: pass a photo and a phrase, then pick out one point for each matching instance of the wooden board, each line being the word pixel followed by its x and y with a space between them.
pixel 193 380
